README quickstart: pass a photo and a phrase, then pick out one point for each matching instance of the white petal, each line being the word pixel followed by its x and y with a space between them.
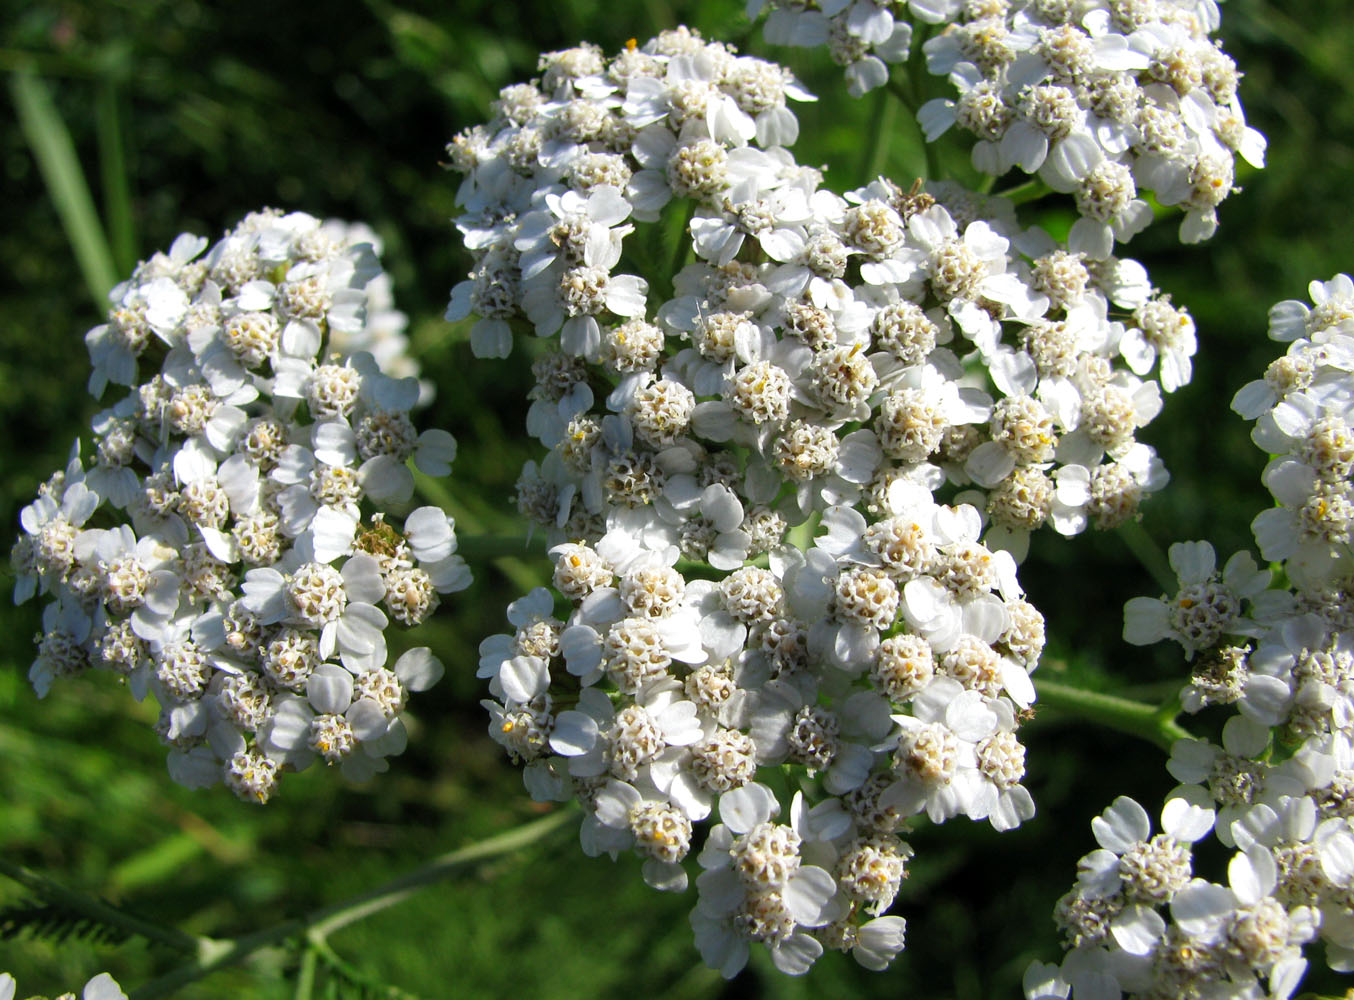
pixel 743 808
pixel 418 669
pixel 1122 825
pixel 330 689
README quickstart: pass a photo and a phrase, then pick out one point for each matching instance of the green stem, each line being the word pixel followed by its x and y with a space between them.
pixel 1154 723
pixel 1022 194
pixel 916 71
pixel 97 910
pixel 681 251
pixel 896 88
pixel 305 978
pixel 1148 552
pixel 904 96
pixel 214 954
pixel 435 492
pixel 117 191
pixel 331 918
pixel 479 548
pixel 881 125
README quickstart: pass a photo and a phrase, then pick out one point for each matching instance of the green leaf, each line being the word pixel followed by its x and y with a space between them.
pixel 51 144
pixel 56 923
pixel 117 190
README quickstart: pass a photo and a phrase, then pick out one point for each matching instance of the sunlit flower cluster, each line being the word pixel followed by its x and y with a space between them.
pixel 965 351
pixel 1277 790
pixel 241 536
pixel 794 444
pixel 864 37
pixel 889 663
pixel 751 569
pixel 1101 99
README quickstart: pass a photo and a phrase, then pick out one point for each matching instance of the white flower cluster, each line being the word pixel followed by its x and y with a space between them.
pixel 1278 790
pixel 824 366
pixel 889 661
pixel 234 539
pixel 864 36
pixel 101 987
pixel 1304 412
pixel 1102 99
pixel 961 349
pixel 322 274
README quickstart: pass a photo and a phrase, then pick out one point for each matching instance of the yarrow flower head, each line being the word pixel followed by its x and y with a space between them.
pixel 1099 100
pixel 250 555
pixel 860 311
pixel 905 375
pixel 863 36
pixel 1275 788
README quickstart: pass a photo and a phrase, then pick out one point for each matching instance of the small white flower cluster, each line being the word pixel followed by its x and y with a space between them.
pixel 319 274
pixel 1304 412
pixel 552 180
pixel 890 661
pixel 863 36
pixel 826 361
pixel 1101 99
pixel 899 313
pixel 235 537
pixel 1278 790
pixel 101 987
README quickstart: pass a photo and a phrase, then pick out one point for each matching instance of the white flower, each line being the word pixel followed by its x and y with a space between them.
pixel 1206 607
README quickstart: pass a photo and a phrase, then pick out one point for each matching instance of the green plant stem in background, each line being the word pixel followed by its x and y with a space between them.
pixel 317 926
pixel 917 76
pixel 881 126
pixel 117 191
pixel 1148 552
pixel 1154 723
pixel 1022 194
pixel 332 918
pixel 305 977
pixel 478 548
pixel 904 96
pixel 50 141
pixel 475 538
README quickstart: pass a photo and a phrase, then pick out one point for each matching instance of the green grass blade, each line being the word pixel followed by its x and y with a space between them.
pixel 117 187
pixel 51 144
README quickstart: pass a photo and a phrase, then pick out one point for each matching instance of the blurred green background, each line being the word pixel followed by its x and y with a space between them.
pixel 184 116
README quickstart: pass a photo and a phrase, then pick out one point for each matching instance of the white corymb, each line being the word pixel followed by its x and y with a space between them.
pixel 905 372
pixel 1275 787
pixel 246 479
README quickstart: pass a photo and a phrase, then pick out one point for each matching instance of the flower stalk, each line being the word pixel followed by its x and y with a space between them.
pixel 1154 723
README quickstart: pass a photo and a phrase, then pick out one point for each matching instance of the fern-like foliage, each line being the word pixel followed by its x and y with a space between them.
pixel 341 980
pixel 54 922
